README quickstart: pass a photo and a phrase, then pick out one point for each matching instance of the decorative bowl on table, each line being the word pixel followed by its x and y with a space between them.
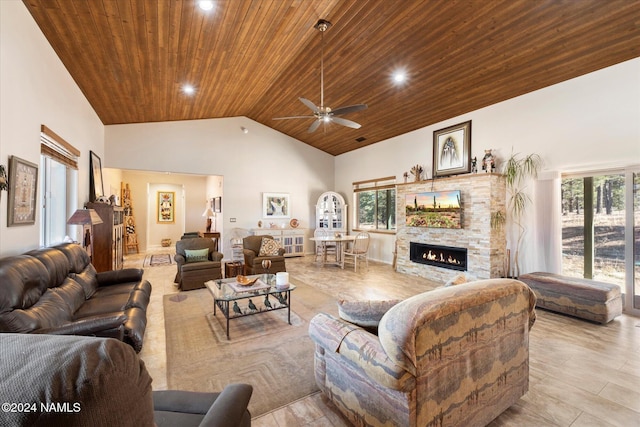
pixel 245 281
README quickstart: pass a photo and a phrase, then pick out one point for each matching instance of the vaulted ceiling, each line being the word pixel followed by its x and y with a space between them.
pixel 255 58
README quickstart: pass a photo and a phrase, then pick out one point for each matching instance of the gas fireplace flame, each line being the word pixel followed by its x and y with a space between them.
pixel 440 258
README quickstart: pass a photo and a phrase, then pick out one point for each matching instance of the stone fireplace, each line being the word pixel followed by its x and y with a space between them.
pixel 481 195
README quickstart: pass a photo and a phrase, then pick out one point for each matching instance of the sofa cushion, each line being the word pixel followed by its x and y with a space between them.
pixel 364 313
pixel 269 247
pixel 87 278
pixel 51 310
pixel 23 279
pixel 197 255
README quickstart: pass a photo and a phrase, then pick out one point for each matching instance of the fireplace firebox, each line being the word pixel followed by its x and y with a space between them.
pixel 440 256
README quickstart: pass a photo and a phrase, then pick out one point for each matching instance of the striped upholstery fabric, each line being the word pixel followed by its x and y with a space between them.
pixel 450 357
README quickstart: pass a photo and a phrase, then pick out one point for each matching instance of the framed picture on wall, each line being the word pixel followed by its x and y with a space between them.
pixel 96 186
pixel 166 207
pixel 276 205
pixel 452 150
pixel 217 204
pixel 23 186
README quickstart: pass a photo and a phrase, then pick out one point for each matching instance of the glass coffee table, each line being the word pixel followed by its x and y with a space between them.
pixel 235 300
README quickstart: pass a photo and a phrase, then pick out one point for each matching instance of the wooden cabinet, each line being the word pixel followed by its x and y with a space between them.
pixel 108 238
pixel 331 212
pixel 293 240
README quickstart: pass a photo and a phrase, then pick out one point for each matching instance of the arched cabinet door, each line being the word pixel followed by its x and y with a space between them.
pixel 331 212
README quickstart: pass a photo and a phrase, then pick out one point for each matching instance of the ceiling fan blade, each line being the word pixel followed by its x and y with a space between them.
pixel 314 126
pixel 309 104
pixel 350 109
pixel 294 117
pixel 345 122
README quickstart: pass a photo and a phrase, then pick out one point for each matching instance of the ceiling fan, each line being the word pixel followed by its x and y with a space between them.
pixel 323 114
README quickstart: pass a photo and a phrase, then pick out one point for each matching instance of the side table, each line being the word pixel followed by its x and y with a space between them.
pixel 233 268
pixel 215 235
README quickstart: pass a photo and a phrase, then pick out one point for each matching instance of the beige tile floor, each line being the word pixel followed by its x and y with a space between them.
pixel 582 374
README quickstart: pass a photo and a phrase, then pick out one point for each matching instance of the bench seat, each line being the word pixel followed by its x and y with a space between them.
pixel 584 298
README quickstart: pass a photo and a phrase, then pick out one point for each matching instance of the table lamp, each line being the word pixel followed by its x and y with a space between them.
pixel 208 213
pixel 86 217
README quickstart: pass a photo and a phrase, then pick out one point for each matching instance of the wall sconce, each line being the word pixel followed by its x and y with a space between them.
pixel 85 217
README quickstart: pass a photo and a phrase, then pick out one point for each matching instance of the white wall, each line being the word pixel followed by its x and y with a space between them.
pixel 591 122
pixel 36 89
pixel 262 160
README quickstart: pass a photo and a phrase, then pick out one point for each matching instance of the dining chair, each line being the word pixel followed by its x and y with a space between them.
pixel 323 249
pixel 358 250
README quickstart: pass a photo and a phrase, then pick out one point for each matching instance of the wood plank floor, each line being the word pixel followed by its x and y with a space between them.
pixel 582 374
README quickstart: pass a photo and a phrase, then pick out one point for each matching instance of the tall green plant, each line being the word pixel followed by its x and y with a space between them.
pixel 518 171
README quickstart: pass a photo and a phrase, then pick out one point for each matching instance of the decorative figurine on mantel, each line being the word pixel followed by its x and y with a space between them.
pixel 474 165
pixel 416 171
pixel 406 176
pixel 488 162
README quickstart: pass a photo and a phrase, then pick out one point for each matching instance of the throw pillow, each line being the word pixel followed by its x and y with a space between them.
pixel 197 255
pixel 460 279
pixel 366 314
pixel 269 247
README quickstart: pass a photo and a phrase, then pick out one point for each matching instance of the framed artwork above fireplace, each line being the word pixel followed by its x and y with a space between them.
pixel 452 150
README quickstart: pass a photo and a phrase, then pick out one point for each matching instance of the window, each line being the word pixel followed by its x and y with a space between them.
pixel 600 223
pixel 59 183
pixel 375 202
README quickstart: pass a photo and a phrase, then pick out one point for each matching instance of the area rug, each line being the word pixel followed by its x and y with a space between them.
pixel 263 350
pixel 157 260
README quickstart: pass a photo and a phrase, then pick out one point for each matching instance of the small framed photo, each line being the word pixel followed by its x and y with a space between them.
pixel 96 186
pixel 23 186
pixel 166 207
pixel 276 205
pixel 452 150
pixel 217 204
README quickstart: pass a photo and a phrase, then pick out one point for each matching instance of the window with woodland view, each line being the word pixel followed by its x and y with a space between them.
pixel 594 211
pixel 375 203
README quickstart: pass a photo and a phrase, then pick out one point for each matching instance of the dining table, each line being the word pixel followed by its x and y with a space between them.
pixel 339 240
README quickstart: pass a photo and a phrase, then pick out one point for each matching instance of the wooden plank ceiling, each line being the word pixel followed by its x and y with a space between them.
pixel 255 58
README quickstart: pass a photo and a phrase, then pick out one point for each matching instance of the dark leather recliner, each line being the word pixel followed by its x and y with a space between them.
pixel 102 382
pixel 57 291
pixel 253 260
pixel 193 275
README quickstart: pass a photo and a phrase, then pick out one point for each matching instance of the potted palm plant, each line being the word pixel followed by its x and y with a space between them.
pixel 518 171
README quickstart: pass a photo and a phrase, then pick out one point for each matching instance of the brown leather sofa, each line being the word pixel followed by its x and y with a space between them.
pixel 57 291
pixel 253 260
pixel 75 381
pixel 193 275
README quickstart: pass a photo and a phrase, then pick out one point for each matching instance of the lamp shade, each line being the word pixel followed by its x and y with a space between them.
pixel 207 213
pixel 85 216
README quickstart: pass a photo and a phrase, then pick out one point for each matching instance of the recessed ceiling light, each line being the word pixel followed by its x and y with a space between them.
pixel 188 89
pixel 399 77
pixel 205 4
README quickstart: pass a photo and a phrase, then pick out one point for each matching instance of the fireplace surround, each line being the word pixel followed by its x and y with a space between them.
pixel 482 195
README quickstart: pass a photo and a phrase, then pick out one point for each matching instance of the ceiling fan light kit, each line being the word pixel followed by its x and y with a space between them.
pixel 323 114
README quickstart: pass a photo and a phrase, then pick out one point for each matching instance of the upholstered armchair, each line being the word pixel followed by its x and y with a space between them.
pixel 253 257
pixel 198 262
pixel 87 381
pixel 454 356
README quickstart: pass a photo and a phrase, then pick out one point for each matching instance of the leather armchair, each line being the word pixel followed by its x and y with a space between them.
pixel 253 260
pixel 192 275
pixel 102 382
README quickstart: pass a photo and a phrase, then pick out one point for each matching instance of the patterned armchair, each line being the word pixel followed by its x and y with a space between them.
pixel 193 272
pixel 455 356
pixel 253 259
